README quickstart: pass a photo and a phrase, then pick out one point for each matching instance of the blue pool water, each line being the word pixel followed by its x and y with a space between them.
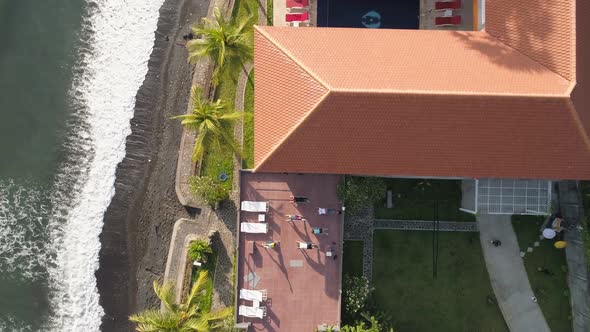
pixel 391 14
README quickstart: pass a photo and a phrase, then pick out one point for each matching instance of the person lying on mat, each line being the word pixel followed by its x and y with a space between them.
pixel 319 230
pixel 299 199
pixel 293 217
pixel 306 245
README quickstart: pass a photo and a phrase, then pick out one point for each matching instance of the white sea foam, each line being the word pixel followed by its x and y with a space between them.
pixel 112 68
pixel 24 249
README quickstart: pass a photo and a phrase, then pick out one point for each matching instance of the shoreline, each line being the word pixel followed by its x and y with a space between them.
pixel 139 220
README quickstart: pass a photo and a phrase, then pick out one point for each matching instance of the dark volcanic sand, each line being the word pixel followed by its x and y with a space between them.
pixel 140 218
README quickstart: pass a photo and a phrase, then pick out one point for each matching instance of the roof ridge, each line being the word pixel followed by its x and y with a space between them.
pixel 454 93
pixel 484 31
pixel 260 29
pixel 295 128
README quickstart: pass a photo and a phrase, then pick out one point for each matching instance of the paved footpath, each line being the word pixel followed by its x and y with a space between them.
pixel 508 275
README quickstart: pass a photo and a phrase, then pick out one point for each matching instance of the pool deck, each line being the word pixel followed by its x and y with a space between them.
pixel 303 285
pixel 427 15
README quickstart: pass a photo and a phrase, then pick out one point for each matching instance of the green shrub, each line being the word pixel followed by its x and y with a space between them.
pixel 361 326
pixel 198 250
pixel 355 293
pixel 585 186
pixel 208 189
pixel 359 193
pixel 269 12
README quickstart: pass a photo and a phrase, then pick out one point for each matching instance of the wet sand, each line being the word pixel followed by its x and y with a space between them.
pixel 140 218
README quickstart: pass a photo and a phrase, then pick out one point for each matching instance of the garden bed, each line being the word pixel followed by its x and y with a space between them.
pixel 221 161
pixel 459 299
pixel 414 199
pixel 248 139
pixel 550 287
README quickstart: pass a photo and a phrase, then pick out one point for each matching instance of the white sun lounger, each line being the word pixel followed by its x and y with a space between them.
pixel 247 311
pixel 253 295
pixel 252 206
pixel 254 227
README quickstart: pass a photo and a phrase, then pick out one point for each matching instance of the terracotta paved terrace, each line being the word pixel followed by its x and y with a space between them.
pixel 303 285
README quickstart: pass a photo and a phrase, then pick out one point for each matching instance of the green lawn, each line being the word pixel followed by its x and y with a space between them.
pixel 413 200
pixel 551 290
pixel 270 12
pixel 216 162
pixel 352 258
pixel 585 186
pixel 454 302
pixel 248 161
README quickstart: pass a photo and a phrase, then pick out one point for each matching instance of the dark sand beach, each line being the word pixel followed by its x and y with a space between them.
pixel 140 218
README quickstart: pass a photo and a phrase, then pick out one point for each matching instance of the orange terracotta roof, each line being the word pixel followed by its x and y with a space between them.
pixel 427 103
pixel 543 30
pixel 412 61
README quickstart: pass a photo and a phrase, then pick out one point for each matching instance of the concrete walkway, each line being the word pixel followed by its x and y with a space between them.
pixel 508 275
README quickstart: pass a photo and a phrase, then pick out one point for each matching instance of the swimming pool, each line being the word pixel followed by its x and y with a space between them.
pixel 384 14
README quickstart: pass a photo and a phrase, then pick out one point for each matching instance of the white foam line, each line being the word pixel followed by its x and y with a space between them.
pixel 113 72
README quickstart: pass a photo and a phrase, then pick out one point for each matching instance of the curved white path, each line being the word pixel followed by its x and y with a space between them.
pixel 508 275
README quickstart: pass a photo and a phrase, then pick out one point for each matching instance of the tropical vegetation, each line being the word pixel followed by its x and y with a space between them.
pixel 359 193
pixel 355 293
pixel 361 325
pixel 228 43
pixel 208 189
pixel 199 250
pixel 213 122
pixel 184 317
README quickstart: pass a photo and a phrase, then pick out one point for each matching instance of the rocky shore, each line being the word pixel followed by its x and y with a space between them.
pixel 141 216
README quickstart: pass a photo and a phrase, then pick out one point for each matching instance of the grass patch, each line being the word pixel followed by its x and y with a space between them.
pixel 216 162
pixel 551 290
pixel 241 9
pixel 248 160
pixel 456 301
pixel 585 188
pixel 269 12
pixel 413 200
pixel 352 257
pixel 206 300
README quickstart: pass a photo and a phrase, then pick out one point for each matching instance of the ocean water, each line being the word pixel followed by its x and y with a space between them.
pixel 69 72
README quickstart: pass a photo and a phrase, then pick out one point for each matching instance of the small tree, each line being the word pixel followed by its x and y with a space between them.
pixel 226 42
pixel 359 193
pixel 213 121
pixel 361 326
pixel 355 293
pixel 208 189
pixel 186 316
pixel 199 250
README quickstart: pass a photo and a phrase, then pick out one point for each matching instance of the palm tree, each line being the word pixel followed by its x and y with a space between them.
pixel 213 123
pixel 184 317
pixel 225 42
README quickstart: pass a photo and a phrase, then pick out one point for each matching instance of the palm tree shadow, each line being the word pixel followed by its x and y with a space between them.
pixel 528 28
pixel 281 264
